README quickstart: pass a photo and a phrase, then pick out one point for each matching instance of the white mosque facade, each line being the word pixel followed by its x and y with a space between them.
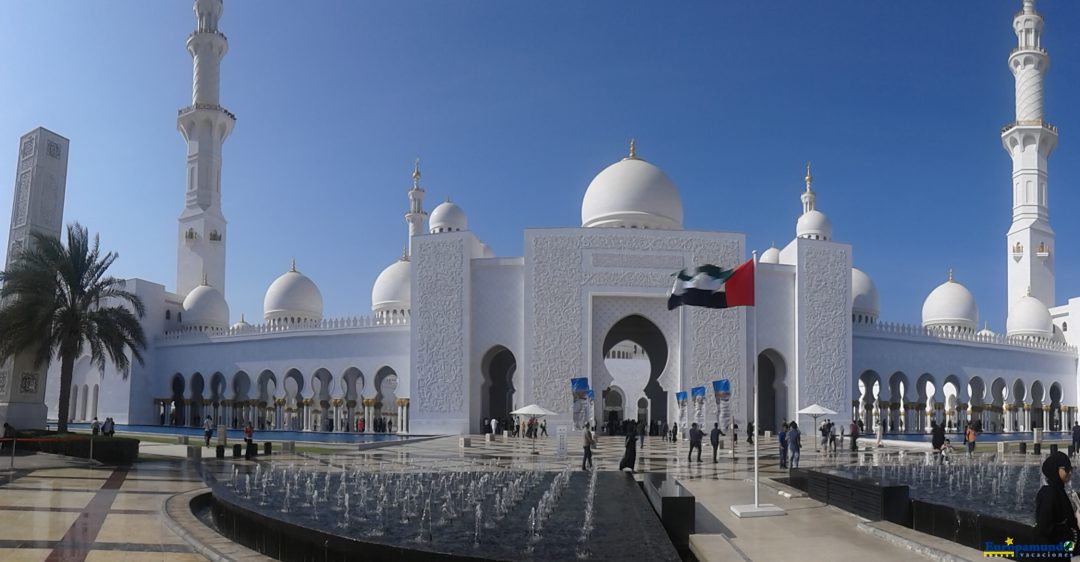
pixel 457 334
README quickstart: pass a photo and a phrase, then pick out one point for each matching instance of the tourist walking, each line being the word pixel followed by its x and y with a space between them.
pixel 794 444
pixel 674 432
pixel 880 431
pixel 494 425
pixel 1076 437
pixel 1056 521
pixel 630 454
pixel 695 442
pixel 714 440
pixel 95 426
pixel 249 433
pixel 823 430
pixel 543 428
pixel 969 439
pixel 750 432
pixel 937 435
pixel 588 441
pixel 782 438
pixel 108 428
pixel 833 441
pixel 641 431
pixel 854 430
pixel 208 429
pixel 9 435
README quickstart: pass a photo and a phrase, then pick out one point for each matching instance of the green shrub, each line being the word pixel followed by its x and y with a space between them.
pixel 107 450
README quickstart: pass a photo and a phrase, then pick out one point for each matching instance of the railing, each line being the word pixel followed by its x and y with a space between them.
pixel 200 32
pixel 276 328
pixel 1021 49
pixel 1036 122
pixel 963 335
pixel 210 106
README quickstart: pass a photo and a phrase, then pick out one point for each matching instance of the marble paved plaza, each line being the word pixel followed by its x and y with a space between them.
pixel 56 509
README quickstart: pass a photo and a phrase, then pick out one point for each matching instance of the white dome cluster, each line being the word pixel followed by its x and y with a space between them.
pixel 950 307
pixel 392 292
pixel 292 299
pixel 632 193
pixel 865 301
pixel 206 309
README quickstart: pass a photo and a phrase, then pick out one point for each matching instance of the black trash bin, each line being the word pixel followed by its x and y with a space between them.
pixel 1036 448
pixel 1023 447
pixel 237 451
pixel 1053 448
pixel 268 447
pixel 220 451
pixel 252 451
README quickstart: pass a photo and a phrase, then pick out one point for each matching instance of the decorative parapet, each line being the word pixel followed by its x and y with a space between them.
pixel 275 329
pixel 893 330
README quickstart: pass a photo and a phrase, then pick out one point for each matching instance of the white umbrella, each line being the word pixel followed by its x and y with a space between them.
pixel 815 410
pixel 535 411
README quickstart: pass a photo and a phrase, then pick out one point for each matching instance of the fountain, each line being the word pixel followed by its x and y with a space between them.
pixel 475 510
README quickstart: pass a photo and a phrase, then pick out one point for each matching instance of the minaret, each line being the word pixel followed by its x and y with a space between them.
pixel 204 125
pixel 808 196
pixel 1029 141
pixel 416 215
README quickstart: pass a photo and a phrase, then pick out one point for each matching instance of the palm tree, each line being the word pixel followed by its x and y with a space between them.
pixel 58 302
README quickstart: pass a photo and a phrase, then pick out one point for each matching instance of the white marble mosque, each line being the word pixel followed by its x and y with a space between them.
pixel 457 334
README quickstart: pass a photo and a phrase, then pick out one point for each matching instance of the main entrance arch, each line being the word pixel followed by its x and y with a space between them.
pixel 650 341
pixel 772 391
pixel 497 390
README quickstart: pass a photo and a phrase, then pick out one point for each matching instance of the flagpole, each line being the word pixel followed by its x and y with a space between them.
pixel 757 509
pixel 754 362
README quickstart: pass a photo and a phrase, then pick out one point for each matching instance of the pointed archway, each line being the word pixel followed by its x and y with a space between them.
pixel 652 343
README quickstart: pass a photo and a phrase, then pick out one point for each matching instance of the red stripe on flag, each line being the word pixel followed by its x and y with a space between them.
pixel 740 286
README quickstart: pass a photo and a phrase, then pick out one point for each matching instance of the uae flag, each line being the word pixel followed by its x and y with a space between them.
pixel 712 287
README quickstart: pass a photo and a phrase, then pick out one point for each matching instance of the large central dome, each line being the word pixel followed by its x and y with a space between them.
pixel 632 193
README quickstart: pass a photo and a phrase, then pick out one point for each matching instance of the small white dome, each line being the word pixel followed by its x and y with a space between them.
pixel 293 297
pixel 1029 317
pixel 447 217
pixel 632 193
pixel 813 224
pixel 392 290
pixel 205 307
pixel 771 255
pixel 241 325
pixel 985 331
pixel 864 295
pixel 950 305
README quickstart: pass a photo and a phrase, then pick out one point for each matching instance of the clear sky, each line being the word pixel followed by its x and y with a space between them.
pixel 513 107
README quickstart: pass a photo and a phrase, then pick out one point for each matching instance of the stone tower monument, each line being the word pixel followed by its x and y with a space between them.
pixel 40 179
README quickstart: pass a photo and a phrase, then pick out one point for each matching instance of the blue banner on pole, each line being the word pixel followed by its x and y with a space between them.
pixel 589 394
pixel 578 387
pixel 680 396
pixel 698 392
pixel 722 389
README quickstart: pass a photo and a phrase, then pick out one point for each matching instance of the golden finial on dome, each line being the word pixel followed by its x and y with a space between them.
pixel 292 267
pixel 1028 290
pixel 405 254
pixel 416 173
pixel 950 279
pixel 204 279
pixel 242 321
pixel 633 150
pixel 808 179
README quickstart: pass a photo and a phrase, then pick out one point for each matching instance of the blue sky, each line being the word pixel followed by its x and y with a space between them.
pixel 514 107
